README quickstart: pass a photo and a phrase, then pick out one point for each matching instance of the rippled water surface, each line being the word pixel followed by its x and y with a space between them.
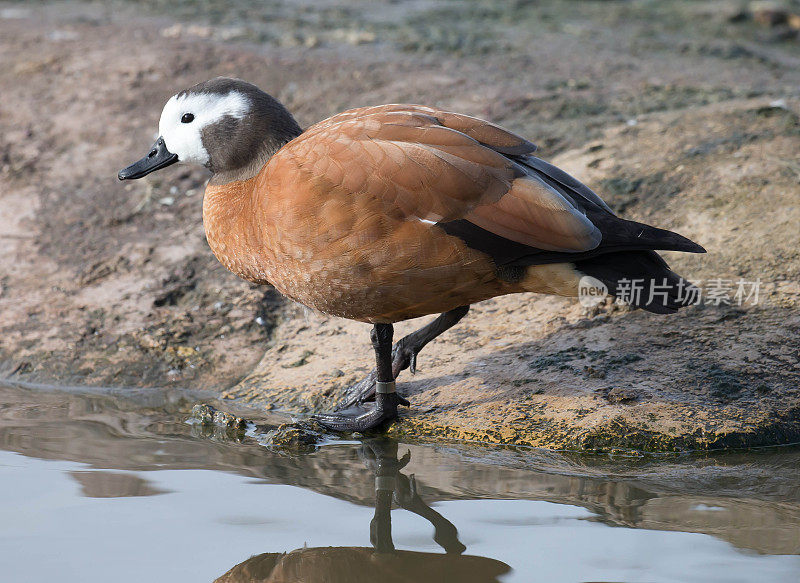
pixel 95 487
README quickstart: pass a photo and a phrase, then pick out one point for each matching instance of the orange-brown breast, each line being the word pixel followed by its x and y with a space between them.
pixel 340 219
pixel 341 255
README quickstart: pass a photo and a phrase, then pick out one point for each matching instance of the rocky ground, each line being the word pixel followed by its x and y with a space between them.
pixel 681 114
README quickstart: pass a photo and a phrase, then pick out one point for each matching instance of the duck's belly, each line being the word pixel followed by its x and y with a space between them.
pixel 392 273
pixel 358 298
pixel 386 281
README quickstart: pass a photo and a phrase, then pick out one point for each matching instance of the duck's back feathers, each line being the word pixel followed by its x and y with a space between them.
pixel 490 135
pixel 437 167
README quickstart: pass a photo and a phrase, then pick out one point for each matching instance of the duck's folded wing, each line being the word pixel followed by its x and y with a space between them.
pixel 559 179
pixel 434 166
pixel 491 135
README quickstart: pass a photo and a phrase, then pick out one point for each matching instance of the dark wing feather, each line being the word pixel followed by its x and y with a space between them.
pixel 617 234
pixel 557 177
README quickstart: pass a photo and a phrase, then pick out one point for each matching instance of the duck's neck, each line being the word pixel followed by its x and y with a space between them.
pixel 254 165
pixel 268 128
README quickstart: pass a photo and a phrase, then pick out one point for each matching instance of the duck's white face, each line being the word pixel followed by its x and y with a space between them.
pixel 226 125
pixel 186 115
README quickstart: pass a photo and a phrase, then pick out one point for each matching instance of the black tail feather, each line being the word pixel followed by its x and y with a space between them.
pixel 619 232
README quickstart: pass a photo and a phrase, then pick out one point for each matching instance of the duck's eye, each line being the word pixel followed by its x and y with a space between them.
pixel 187 118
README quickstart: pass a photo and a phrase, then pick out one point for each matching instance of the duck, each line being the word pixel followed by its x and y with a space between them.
pixel 385 213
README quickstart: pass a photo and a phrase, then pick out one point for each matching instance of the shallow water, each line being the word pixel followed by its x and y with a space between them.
pixel 97 487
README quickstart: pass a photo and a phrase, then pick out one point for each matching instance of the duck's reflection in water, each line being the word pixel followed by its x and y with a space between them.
pixel 382 562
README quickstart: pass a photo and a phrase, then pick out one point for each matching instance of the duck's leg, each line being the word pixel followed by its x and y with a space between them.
pixel 380 455
pixel 445 532
pixel 404 355
pixel 365 417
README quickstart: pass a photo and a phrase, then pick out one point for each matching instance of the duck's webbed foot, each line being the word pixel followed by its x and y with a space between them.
pixel 364 390
pixel 361 417
pixel 404 356
pixel 364 417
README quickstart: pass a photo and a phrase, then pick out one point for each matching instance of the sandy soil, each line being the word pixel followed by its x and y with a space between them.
pixel 684 115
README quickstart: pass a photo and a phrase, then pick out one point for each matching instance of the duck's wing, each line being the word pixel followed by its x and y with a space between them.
pixel 489 134
pixel 560 179
pixel 438 167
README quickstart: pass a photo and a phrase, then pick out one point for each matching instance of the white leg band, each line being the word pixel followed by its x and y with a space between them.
pixel 384 388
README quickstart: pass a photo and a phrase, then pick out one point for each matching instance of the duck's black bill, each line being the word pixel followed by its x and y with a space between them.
pixel 158 158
